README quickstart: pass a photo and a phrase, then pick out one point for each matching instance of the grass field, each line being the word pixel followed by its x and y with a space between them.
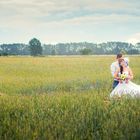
pixel 56 98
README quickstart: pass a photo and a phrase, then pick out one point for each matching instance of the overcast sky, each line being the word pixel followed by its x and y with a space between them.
pixel 54 21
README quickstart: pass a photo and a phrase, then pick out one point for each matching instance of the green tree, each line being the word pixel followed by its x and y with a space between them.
pixel 123 52
pixel 35 47
pixel 53 52
pixel 86 51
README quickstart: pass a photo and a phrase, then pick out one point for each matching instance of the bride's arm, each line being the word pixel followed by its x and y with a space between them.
pixel 130 74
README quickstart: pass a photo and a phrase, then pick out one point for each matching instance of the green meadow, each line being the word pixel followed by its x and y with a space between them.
pixel 65 98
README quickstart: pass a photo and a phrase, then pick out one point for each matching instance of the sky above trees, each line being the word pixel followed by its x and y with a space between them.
pixel 54 21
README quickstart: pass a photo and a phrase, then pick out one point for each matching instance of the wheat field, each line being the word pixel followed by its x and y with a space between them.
pixel 65 98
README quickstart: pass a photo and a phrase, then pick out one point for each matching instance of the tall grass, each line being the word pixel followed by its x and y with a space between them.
pixel 64 98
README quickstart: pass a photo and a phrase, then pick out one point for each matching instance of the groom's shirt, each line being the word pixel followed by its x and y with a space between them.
pixel 114 67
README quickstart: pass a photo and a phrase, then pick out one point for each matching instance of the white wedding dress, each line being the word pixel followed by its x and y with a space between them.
pixel 131 89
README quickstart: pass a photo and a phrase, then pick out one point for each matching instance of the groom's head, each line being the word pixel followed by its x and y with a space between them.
pixel 119 57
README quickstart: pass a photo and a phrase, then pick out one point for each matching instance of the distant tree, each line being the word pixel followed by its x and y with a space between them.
pixel 138 47
pixel 35 47
pixel 86 51
pixel 123 52
pixel 138 44
pixel 133 51
pixel 53 52
pixel 5 54
pixel 61 48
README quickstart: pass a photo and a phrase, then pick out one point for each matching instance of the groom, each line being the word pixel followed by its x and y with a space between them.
pixel 114 67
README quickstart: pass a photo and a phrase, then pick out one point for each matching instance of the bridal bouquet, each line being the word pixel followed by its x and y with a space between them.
pixel 123 77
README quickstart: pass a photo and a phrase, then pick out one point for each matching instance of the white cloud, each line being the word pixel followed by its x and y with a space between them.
pixel 135 38
pixel 44 8
pixel 67 20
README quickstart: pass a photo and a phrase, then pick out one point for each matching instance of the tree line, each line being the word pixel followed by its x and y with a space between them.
pixel 35 48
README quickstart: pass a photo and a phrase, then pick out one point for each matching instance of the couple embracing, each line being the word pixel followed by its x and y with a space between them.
pixel 123 75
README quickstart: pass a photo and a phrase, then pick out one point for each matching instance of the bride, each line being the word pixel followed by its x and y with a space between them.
pixel 125 87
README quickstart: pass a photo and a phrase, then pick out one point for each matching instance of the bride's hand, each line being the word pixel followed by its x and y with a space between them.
pixel 120 81
pixel 130 77
pixel 126 81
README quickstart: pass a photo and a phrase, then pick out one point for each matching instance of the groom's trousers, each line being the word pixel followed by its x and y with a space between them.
pixel 115 83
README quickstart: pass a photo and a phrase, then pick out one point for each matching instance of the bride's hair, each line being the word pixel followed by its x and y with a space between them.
pixel 121 69
pixel 126 60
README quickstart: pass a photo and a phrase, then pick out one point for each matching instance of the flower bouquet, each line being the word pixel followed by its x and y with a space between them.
pixel 123 77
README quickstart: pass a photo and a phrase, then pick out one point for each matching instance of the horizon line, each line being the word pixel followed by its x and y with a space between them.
pixel 54 43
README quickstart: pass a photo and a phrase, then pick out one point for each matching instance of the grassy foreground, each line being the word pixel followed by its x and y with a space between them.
pixel 56 98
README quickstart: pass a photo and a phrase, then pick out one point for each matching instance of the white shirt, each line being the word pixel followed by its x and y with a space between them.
pixel 114 67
